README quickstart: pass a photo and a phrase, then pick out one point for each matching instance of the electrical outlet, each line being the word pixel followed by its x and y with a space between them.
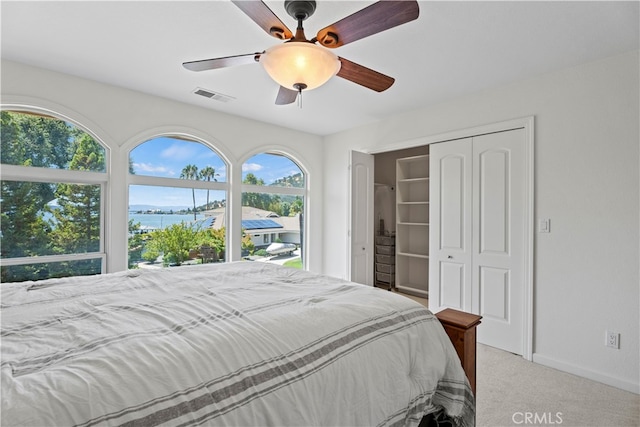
pixel 613 339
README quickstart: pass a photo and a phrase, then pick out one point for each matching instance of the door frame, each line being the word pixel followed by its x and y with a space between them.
pixel 526 123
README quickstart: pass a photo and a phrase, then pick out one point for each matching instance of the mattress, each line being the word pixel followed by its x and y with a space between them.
pixel 235 344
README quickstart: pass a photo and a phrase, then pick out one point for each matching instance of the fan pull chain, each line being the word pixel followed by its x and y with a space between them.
pixel 300 86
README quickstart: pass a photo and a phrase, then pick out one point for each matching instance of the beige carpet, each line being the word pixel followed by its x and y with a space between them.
pixel 511 391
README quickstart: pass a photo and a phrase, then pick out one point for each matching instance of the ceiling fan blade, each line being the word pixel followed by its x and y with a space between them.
pixel 227 61
pixel 286 96
pixel 373 19
pixel 364 76
pixel 265 18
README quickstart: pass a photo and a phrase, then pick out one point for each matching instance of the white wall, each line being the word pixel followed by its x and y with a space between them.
pixel 122 118
pixel 586 181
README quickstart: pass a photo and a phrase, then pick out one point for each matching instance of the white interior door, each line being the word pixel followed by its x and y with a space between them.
pixel 498 238
pixel 477 220
pixel 362 231
pixel 450 225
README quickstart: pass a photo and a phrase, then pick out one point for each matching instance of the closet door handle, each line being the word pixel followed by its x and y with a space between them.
pixel 450 257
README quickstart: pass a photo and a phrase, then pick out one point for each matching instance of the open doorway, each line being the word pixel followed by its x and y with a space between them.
pixel 389 266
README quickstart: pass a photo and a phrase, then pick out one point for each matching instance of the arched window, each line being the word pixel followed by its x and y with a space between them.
pixel 273 196
pixel 53 185
pixel 177 203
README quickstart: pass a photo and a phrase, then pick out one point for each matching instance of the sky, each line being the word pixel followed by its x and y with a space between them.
pixel 166 157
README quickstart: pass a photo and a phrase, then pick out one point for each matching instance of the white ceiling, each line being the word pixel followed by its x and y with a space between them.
pixel 452 49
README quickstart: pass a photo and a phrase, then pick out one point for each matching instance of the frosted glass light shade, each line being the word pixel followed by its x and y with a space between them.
pixel 300 62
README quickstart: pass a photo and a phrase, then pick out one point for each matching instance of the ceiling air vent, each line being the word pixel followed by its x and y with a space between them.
pixel 212 95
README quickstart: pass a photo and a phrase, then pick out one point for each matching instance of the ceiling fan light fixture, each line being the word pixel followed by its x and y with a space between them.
pixel 300 63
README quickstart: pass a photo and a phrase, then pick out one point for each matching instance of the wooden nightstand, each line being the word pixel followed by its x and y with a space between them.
pixel 461 328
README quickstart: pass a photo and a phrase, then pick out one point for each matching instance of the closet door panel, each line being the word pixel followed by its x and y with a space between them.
pixel 451 285
pixel 450 217
pixel 494 293
pixel 493 202
pixel 498 233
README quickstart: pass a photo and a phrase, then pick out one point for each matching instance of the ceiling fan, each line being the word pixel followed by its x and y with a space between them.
pixel 299 64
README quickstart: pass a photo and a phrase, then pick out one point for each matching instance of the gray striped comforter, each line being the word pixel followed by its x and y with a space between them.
pixel 237 344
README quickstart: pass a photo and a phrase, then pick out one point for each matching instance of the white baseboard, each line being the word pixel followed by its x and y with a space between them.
pixel 587 373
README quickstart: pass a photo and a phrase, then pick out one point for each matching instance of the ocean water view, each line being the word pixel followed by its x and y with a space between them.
pixel 160 221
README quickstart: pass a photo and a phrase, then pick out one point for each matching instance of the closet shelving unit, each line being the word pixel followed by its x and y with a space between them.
pixel 412 225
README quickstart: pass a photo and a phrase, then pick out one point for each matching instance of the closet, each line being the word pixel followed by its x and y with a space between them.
pixel 462 226
pixel 401 212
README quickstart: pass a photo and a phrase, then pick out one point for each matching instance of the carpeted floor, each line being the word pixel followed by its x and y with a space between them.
pixel 511 391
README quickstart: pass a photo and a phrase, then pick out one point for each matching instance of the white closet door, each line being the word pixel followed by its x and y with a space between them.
pixel 361 228
pixel 498 238
pixel 477 241
pixel 450 225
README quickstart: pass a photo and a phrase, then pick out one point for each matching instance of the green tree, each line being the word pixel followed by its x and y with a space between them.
pixel 214 238
pixel 44 140
pixel 24 230
pixel 12 152
pixel 135 243
pixel 152 246
pixel 297 206
pixel 274 204
pixel 247 244
pixel 286 208
pixel 19 220
pixel 132 170
pixel 252 179
pixel 207 174
pixel 256 200
pixel 28 140
pixel 191 172
pixel 77 220
pixel 174 242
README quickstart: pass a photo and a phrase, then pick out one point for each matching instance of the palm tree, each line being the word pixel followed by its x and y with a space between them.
pixel 206 174
pixel 191 172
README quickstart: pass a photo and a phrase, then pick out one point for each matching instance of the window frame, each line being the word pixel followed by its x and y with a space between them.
pixel 158 181
pixel 21 173
pixel 115 194
pixel 289 191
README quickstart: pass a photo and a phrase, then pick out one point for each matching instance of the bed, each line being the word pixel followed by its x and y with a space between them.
pixel 234 344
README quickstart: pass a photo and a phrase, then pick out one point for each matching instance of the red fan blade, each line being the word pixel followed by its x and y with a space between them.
pixel 265 18
pixel 371 20
pixel 364 76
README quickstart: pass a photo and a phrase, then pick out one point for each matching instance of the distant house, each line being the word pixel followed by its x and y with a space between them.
pixel 264 227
